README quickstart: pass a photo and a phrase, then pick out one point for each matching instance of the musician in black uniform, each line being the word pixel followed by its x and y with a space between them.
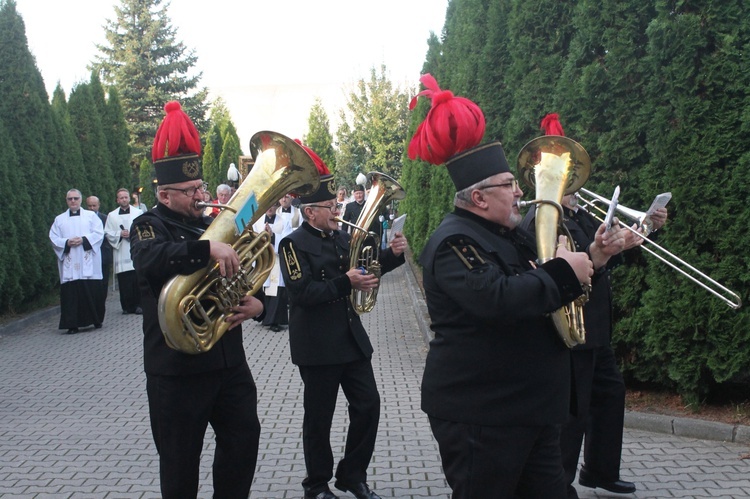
pixel 187 392
pixel 353 208
pixel 328 342
pixel 496 384
pixel 599 385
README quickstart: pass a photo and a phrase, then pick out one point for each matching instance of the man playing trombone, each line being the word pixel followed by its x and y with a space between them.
pixel 599 385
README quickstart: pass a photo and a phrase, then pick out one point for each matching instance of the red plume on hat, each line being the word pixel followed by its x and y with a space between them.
pixel 322 168
pixel 551 125
pixel 453 125
pixel 176 135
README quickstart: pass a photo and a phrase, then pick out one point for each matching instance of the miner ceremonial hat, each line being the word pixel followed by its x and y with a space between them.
pixel 177 148
pixel 327 189
pixel 451 133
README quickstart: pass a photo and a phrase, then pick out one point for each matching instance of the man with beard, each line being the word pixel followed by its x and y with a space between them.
pixel 496 385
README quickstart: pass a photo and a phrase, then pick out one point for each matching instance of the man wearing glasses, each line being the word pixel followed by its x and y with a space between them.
pixel 328 342
pixel 76 237
pixel 188 392
pixel 496 384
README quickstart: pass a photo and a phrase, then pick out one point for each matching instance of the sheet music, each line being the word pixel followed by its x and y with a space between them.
pixel 397 226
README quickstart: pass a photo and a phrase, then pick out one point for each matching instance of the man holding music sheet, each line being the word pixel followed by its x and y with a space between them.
pixel 598 383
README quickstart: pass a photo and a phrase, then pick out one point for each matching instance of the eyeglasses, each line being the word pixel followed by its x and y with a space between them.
pixel 336 207
pixel 513 184
pixel 189 192
pixel 74 198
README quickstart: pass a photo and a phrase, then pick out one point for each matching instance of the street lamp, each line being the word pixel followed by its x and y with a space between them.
pixel 233 176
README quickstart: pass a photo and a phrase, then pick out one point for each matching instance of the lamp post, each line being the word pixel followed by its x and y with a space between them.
pixel 233 176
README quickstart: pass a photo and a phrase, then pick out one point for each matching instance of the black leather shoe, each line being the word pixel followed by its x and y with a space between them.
pixel 326 494
pixel 360 490
pixel 72 330
pixel 138 311
pixel 588 479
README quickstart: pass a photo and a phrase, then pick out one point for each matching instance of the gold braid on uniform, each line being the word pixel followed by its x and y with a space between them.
pixel 292 264
pixel 468 259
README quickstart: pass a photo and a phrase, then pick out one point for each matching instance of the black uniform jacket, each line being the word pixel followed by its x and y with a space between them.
pixel 496 358
pixel 324 329
pixel 106 248
pixel 597 313
pixel 162 245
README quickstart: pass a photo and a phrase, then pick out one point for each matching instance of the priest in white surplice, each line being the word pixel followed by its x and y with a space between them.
pixel 117 230
pixel 76 237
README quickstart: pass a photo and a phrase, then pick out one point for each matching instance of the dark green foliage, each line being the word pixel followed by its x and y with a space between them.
pixel 372 130
pixel 658 92
pixel 29 128
pixel 318 137
pixel 149 67
pixel 16 214
pixel 222 146
pixel 69 155
pixel 230 148
pixel 87 126
pixel 118 137
pixel 146 178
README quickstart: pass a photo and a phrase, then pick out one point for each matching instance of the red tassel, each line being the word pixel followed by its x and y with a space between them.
pixel 322 168
pixel 176 134
pixel 551 125
pixel 453 125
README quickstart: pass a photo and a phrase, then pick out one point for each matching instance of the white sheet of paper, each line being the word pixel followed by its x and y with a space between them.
pixel 397 226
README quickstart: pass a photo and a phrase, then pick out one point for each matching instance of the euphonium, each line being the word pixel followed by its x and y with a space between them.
pixel 555 166
pixel 364 247
pixel 193 308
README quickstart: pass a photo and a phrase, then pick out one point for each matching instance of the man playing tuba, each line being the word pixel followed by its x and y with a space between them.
pixel 188 392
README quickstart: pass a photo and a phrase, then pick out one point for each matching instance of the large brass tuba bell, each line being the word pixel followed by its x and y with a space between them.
pixel 192 308
pixel 364 247
pixel 555 166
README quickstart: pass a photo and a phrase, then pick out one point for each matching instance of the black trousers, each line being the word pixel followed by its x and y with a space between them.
pixel 601 411
pixel 277 308
pixel 130 294
pixel 357 380
pixel 500 462
pixel 182 407
pixel 102 304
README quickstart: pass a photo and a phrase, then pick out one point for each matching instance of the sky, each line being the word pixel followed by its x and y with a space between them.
pixel 268 60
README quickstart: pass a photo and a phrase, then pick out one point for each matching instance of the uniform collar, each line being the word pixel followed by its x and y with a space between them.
pixel 317 232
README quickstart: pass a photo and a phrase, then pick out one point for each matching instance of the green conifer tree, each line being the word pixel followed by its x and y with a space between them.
pixel 149 67
pixel 69 152
pixel 12 280
pixel 318 136
pixel 25 110
pixel 87 126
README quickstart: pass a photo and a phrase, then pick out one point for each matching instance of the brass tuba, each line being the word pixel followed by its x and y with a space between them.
pixel 193 308
pixel 555 166
pixel 364 247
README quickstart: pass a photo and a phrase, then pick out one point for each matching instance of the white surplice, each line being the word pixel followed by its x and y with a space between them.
pixel 78 263
pixel 120 245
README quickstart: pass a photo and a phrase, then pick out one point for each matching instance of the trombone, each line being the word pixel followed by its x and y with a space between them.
pixel 643 222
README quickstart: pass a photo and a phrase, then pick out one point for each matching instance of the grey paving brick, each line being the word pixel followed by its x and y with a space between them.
pixel 74 418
